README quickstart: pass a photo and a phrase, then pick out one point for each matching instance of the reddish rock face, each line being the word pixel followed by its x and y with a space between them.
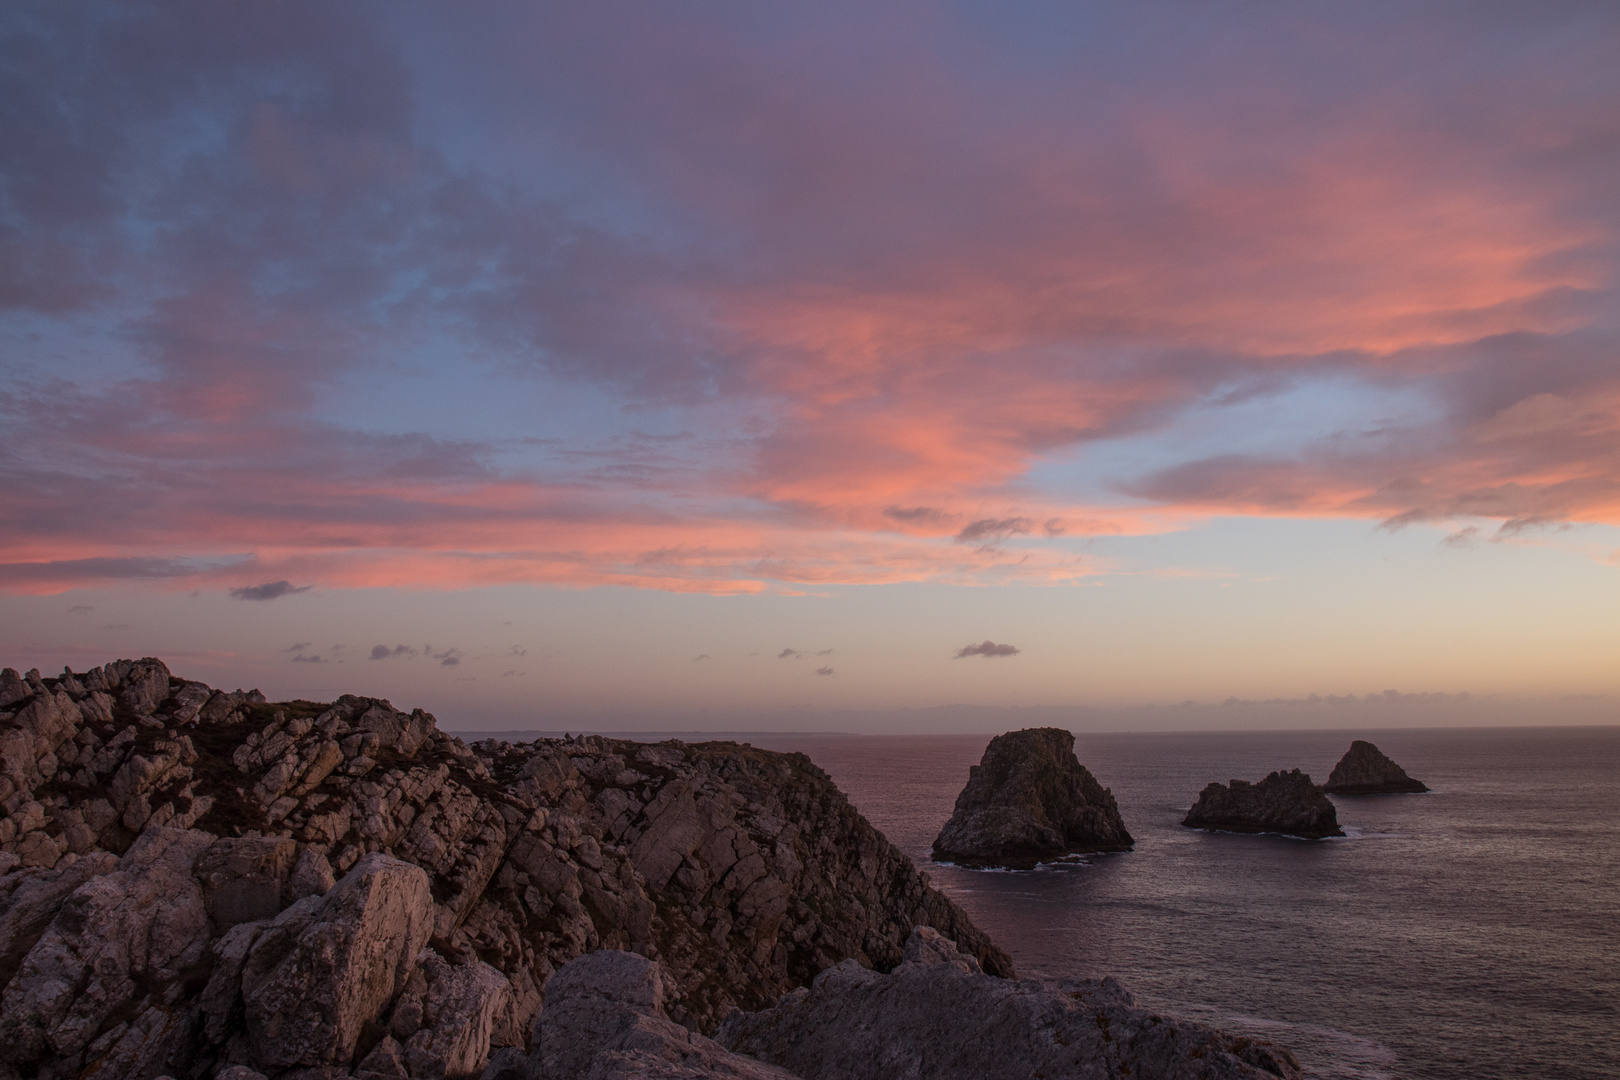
pixel 1284 802
pixel 1029 800
pixel 1364 770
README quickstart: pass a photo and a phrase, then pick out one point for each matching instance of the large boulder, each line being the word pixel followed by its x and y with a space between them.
pixel 1029 800
pixel 1364 770
pixel 123 944
pixel 937 1016
pixel 329 966
pixel 604 1020
pixel 1284 802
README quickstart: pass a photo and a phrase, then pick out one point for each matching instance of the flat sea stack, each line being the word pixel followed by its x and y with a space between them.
pixel 1029 800
pixel 1365 770
pixel 197 883
pixel 1284 802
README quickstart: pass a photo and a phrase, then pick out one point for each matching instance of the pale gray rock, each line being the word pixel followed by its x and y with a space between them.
pixel 311 875
pixel 237 1072
pixel 29 901
pixel 462 1008
pixel 309 989
pixel 120 937
pixel 244 879
pixel 604 1020
pixel 935 1018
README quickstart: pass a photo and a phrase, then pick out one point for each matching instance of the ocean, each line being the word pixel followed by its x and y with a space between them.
pixel 1470 933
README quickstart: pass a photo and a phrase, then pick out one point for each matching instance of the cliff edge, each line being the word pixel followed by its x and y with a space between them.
pixel 194 881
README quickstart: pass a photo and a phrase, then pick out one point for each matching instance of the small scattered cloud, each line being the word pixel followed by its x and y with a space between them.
pixel 298 646
pixel 824 671
pixel 700 656
pixel 1055 527
pixel 517 650
pixel 986 648
pixel 513 674
pixel 789 654
pixel 446 657
pixel 1462 538
pixel 270 590
pixel 989 530
pixel 825 652
pixel 302 659
pixel 383 652
pixel 917 515
pixel 80 609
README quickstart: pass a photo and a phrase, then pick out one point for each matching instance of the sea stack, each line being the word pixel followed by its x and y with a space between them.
pixel 1029 800
pixel 1284 802
pixel 1364 770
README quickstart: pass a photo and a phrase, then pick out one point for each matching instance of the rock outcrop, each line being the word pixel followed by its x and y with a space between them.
pixel 1284 802
pixel 196 882
pixel 1029 800
pixel 938 1016
pixel 1364 770
pixel 605 1020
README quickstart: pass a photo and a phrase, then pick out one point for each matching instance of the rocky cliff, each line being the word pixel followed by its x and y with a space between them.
pixel 192 879
pixel 1284 802
pixel 1364 770
pixel 1030 800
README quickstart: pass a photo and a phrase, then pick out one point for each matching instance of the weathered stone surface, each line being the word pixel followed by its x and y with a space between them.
pixel 311 875
pixel 1364 770
pixel 461 1009
pixel 1284 802
pixel 935 1017
pixel 244 879
pixel 135 934
pixel 309 987
pixel 1029 800
pixel 604 1020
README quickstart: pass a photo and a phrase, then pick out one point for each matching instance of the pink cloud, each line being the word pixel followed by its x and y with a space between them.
pixel 882 278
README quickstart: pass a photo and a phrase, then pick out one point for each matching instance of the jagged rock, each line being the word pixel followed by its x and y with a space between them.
pixel 244 879
pixel 131 935
pixel 460 1011
pixel 1364 770
pixel 29 901
pixel 1284 802
pixel 311 875
pixel 326 968
pixel 1029 800
pixel 936 1017
pixel 605 1020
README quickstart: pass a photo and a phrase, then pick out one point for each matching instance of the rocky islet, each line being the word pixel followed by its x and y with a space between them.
pixel 1284 802
pixel 1029 800
pixel 1366 770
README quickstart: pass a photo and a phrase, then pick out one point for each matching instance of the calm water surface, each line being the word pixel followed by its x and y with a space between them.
pixel 1472 932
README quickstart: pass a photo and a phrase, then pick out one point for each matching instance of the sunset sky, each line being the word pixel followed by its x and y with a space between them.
pixel 663 365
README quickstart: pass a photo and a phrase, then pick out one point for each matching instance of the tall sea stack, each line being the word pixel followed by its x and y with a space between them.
pixel 1029 800
pixel 1364 770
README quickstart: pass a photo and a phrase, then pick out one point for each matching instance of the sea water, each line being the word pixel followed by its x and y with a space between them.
pixel 1473 932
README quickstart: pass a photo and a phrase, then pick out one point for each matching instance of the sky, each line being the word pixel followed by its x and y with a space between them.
pixel 867 366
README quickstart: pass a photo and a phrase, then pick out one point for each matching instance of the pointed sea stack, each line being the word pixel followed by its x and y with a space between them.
pixel 1364 770
pixel 1029 800
pixel 1284 802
